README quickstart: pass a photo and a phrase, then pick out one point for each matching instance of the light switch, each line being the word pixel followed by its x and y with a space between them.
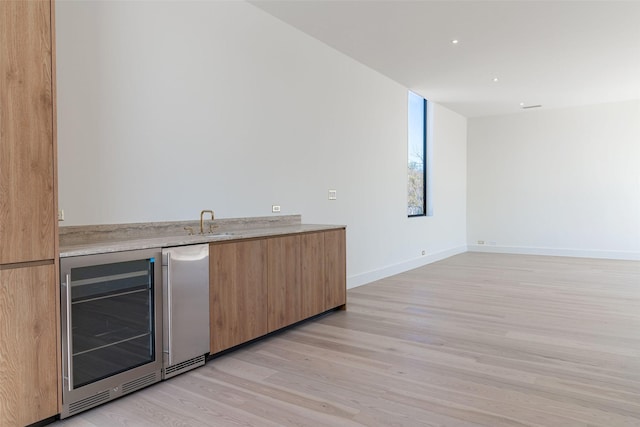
pixel 333 194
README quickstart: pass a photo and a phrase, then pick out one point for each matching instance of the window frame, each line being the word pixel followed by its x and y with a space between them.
pixel 425 161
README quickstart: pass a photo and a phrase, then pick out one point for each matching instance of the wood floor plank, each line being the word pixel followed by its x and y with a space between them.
pixel 477 339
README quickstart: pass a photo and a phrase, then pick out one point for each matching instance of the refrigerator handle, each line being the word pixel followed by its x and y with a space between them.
pixel 169 322
pixel 69 346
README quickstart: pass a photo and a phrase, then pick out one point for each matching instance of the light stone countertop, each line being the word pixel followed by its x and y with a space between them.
pixel 98 239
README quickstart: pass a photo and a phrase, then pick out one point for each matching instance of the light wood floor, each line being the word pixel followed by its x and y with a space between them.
pixel 474 340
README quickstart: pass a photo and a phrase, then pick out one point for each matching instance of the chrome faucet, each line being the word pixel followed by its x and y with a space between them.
pixel 202 220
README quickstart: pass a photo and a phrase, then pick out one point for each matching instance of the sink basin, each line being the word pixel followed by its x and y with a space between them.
pixel 193 233
pixel 226 233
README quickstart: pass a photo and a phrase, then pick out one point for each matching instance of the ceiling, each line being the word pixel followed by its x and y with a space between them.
pixel 549 53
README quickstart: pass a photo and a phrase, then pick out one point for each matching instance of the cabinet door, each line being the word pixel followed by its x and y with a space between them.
pixel 284 289
pixel 28 336
pixel 313 274
pixel 335 268
pixel 27 216
pixel 238 292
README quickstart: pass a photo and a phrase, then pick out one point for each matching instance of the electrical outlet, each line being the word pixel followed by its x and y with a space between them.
pixel 275 208
pixel 424 252
pixel 333 194
pixel 481 242
pixel 61 215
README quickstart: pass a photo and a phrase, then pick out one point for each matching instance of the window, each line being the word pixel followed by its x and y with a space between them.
pixel 417 159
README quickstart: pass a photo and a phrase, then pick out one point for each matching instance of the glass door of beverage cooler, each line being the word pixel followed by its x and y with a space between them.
pixel 110 326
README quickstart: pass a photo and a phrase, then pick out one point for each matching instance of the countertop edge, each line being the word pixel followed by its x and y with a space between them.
pixel 170 241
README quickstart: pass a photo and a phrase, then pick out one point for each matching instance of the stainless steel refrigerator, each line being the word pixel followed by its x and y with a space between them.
pixel 185 280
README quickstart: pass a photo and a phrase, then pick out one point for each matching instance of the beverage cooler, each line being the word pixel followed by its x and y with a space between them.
pixel 111 326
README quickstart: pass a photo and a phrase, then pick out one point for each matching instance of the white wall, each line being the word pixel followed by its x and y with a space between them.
pixel 558 182
pixel 167 108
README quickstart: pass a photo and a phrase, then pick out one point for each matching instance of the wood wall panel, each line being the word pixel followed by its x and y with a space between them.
pixel 27 217
pixel 28 345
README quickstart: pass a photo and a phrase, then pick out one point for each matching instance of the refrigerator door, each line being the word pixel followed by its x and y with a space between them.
pixel 185 279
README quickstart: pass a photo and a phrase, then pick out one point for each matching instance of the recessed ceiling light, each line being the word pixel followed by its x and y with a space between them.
pixel 522 104
pixel 495 80
pixel 455 41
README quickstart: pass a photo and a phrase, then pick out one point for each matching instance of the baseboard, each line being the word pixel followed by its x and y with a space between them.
pixel 372 276
pixel 578 253
pixel 390 270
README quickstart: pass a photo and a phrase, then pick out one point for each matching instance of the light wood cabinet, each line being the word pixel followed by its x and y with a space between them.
pixel 238 292
pixel 28 345
pixel 27 217
pixel 284 285
pixel 29 292
pixel 260 286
